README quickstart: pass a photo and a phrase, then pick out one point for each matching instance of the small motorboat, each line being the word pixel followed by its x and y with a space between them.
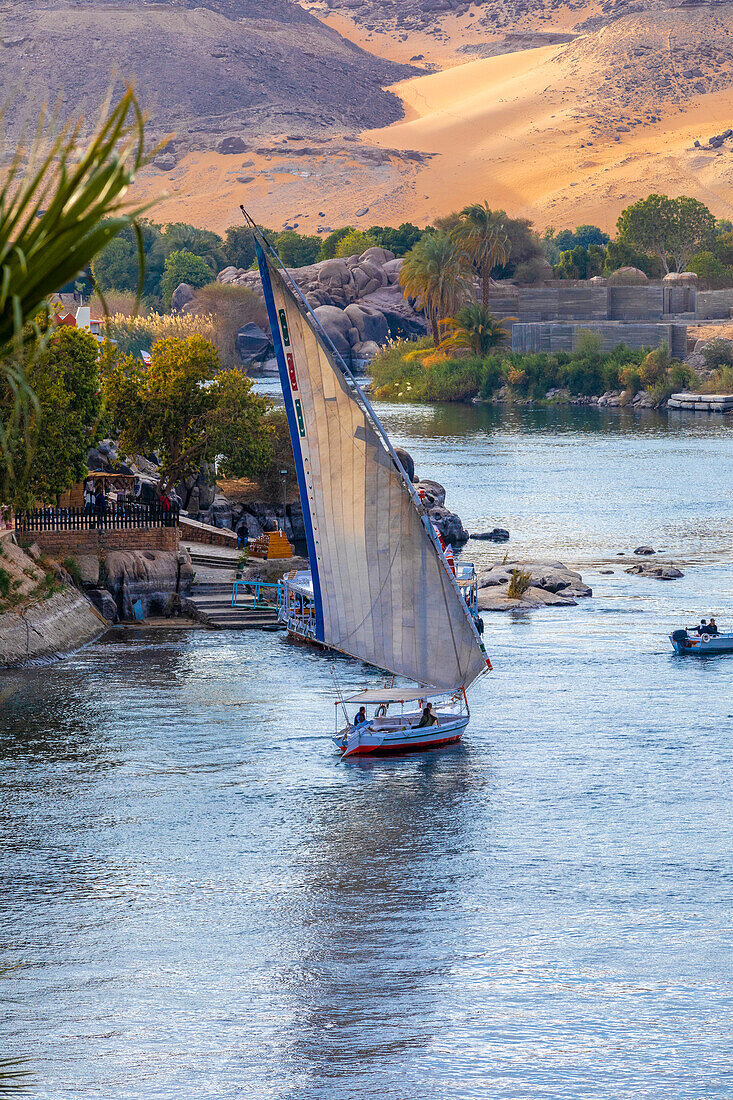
pixel 403 729
pixel 687 643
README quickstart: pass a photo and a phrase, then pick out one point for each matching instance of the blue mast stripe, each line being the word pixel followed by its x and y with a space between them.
pixel 294 435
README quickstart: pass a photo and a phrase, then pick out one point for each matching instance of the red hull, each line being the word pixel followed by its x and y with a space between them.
pixel 408 746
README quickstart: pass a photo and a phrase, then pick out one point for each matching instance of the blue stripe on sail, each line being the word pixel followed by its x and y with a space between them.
pixel 294 435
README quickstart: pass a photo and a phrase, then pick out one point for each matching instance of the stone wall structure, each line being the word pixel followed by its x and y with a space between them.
pixel 550 336
pixel 97 542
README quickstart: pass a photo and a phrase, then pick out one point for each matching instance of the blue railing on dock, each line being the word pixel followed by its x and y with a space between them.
pixel 257 588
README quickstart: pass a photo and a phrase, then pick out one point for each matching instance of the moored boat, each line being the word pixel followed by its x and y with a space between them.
pixel 689 644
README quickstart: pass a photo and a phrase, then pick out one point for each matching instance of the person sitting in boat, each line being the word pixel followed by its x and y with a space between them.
pixel 703 628
pixel 713 627
pixel 361 717
pixel 427 718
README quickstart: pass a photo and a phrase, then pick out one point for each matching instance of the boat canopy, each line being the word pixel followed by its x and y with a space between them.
pixel 382 589
pixel 394 695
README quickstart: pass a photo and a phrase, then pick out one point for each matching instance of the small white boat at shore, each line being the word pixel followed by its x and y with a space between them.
pixel 397 724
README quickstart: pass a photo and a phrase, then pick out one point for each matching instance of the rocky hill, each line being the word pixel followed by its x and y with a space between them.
pixel 204 68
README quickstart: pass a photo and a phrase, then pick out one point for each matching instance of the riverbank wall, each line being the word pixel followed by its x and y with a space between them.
pixel 41 617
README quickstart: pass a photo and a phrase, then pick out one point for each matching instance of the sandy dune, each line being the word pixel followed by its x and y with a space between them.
pixel 561 134
pixel 515 129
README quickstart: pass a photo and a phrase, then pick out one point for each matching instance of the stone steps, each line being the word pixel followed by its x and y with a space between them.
pixel 215 610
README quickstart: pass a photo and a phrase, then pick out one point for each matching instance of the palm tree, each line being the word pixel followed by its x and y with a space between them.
pixel 179 237
pixel 62 201
pixel 476 330
pixel 484 239
pixel 435 274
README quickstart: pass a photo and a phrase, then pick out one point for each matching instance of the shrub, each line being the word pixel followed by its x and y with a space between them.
pixel 229 308
pixel 493 377
pixel 519 584
pixel 135 334
pixel 4 584
pixel 71 565
pixel 721 382
pixel 184 267
pixel 452 380
pixel 682 377
pixel 395 367
pixel 718 353
pixel 711 270
pixel 630 379
pixel 653 371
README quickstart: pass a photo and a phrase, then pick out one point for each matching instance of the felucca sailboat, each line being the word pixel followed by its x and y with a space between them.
pixel 382 589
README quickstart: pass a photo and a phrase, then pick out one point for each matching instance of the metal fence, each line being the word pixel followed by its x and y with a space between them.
pixel 114 517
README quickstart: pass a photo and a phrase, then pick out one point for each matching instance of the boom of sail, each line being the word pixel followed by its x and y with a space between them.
pixel 383 590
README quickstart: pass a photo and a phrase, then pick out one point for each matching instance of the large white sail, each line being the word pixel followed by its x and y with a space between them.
pixel 383 591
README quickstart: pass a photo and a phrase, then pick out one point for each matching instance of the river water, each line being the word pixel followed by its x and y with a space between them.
pixel 198 900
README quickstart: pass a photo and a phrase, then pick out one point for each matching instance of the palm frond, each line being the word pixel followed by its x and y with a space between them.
pixel 61 202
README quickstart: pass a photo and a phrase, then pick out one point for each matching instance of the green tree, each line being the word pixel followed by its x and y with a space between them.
pixel 582 262
pixel 181 237
pixel 61 202
pixel 239 247
pixel 711 270
pixel 399 240
pixel 184 407
pixel 474 329
pixel 435 274
pixel 723 246
pixel 329 244
pixel 619 254
pixel 672 229
pixel 296 249
pixel 354 243
pixel 64 421
pixel 116 267
pixel 184 267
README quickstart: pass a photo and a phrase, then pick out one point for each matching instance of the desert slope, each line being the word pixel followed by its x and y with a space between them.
pixel 574 132
pixel 203 69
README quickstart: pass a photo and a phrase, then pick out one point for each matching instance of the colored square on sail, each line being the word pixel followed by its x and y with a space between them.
pixel 291 371
pixel 299 414
pixel 284 327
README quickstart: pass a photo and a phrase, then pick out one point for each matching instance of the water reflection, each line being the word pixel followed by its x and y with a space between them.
pixel 384 868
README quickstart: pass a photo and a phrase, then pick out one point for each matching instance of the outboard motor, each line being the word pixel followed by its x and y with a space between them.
pixel 680 636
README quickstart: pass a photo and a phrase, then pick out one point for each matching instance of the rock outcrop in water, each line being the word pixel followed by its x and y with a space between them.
pixel 553 585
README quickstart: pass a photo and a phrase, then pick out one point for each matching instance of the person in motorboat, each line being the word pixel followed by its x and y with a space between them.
pixel 427 718
pixel 703 628
pixel 361 717
pixel 713 627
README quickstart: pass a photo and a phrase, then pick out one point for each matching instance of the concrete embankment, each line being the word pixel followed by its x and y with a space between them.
pixel 41 617
pixel 52 627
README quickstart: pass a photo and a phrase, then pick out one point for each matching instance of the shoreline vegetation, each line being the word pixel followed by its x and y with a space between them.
pixel 417 371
